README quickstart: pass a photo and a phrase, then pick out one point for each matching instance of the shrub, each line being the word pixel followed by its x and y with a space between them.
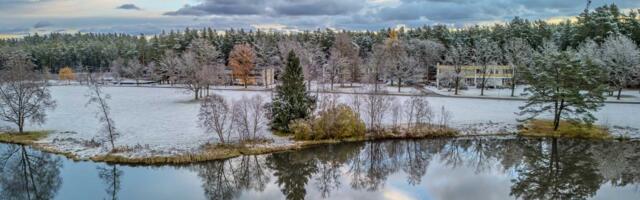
pixel 337 122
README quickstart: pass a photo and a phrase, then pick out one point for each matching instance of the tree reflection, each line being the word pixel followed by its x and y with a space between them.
pixel 27 174
pixel 111 178
pixel 541 168
pixel 292 172
pixel 562 169
pixel 226 179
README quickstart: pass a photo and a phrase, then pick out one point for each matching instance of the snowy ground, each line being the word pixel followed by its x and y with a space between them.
pixel 627 95
pixel 163 121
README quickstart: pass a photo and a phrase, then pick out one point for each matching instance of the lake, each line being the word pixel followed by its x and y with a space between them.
pixel 463 168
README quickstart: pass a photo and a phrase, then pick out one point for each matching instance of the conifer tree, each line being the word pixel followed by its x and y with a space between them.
pixel 292 101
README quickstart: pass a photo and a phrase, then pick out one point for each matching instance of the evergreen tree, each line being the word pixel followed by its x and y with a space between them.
pixel 563 85
pixel 292 100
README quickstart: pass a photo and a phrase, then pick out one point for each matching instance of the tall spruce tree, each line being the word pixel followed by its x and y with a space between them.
pixel 292 100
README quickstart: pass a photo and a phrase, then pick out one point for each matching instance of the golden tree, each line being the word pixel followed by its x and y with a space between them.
pixel 67 74
pixel 242 61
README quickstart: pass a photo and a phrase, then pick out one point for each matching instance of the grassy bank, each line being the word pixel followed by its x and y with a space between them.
pixel 544 128
pixel 24 138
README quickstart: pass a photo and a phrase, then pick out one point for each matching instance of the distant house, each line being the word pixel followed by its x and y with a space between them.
pixel 497 75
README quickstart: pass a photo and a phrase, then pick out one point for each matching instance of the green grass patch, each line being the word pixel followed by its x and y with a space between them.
pixel 23 138
pixel 544 128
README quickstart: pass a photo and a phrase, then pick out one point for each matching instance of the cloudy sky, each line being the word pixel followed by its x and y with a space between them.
pixel 20 17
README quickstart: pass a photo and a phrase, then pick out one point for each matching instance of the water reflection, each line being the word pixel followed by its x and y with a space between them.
pixel 28 174
pixel 539 168
pixel 110 176
pixel 227 179
pixel 423 169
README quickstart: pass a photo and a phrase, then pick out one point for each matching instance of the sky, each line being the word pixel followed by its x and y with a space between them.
pixel 21 17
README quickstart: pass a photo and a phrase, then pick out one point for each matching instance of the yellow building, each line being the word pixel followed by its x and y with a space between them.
pixel 496 76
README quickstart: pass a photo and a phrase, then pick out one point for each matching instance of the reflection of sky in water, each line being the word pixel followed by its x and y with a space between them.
pixel 466 180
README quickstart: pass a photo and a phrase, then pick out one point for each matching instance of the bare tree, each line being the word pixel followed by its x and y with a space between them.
pixel 267 56
pixel 23 92
pixel 117 68
pixel 376 66
pixel 345 48
pixel 375 108
pixel 215 116
pixel 519 55
pixel 99 99
pixel 444 118
pixel 189 70
pixel 418 112
pixel 335 66
pixel 209 71
pixel 312 59
pixel 486 53
pixel 169 66
pixel 400 66
pixel 249 116
pixel 396 114
pixel 427 52
pixel 135 70
pixel 621 56
pixel 457 56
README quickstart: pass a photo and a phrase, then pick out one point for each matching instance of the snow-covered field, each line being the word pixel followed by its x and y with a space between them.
pixel 627 95
pixel 163 121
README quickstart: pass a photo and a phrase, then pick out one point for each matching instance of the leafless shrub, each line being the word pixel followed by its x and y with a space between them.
pixel 396 114
pixel 418 112
pixel 215 116
pixel 375 108
pixel 249 117
pixel 445 117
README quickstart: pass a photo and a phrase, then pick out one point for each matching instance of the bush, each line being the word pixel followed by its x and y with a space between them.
pixel 337 122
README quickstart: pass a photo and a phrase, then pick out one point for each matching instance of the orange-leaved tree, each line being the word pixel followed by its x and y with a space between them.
pixel 242 61
pixel 67 74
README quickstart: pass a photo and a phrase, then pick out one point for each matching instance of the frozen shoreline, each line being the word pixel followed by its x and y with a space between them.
pixel 163 122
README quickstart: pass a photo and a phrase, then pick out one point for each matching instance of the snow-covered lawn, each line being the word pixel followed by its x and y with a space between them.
pixel 163 121
pixel 627 95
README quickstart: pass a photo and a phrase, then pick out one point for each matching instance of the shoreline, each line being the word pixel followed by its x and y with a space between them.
pixel 212 152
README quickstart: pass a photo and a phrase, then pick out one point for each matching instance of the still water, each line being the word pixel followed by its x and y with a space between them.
pixel 409 169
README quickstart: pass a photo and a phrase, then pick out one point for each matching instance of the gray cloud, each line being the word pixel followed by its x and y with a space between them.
pixel 222 7
pixel 128 6
pixel 271 7
pixel 305 14
pixel 42 24
pixel 318 7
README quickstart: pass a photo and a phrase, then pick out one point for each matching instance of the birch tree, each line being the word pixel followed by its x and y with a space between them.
pixel 23 92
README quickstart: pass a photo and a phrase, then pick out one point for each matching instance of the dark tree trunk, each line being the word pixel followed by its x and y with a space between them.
pixel 619 93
